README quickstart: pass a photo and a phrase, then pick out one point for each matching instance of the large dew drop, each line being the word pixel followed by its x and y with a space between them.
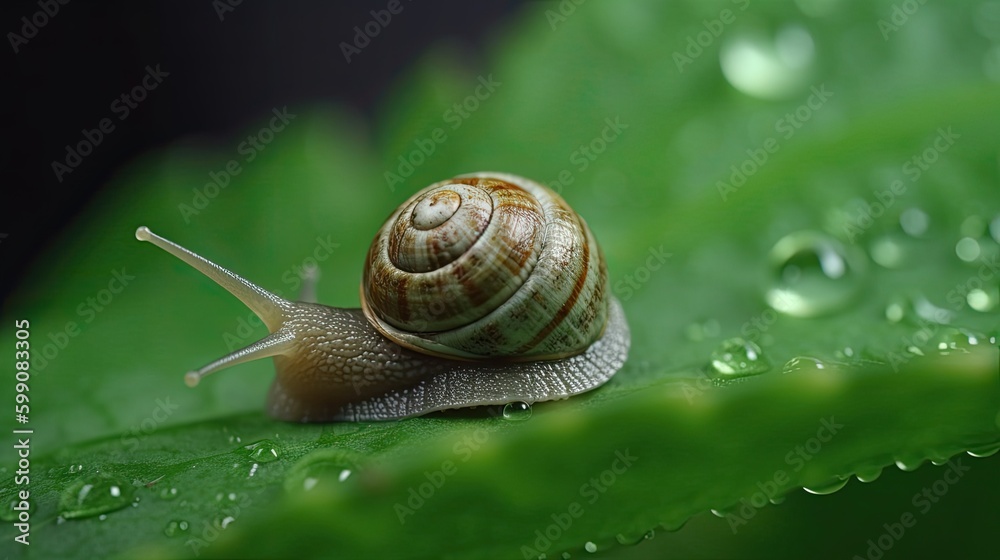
pixel 263 451
pixel 516 411
pixel 94 495
pixel 323 469
pixel 813 274
pixel 828 488
pixel 768 67
pixel 868 474
pixel 800 364
pixel 738 357
pixel 984 450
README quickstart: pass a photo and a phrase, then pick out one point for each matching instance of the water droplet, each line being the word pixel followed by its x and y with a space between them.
pixel 769 68
pixel 632 539
pixel 802 364
pixel 168 493
pixel 675 524
pixel 985 450
pixel 263 451
pixel 8 513
pixel 814 275
pixel 738 357
pixel 74 469
pixel 175 527
pixel 516 411
pixel 981 300
pixel 909 464
pixel 777 500
pixel 566 555
pixel 324 468
pixel 930 312
pixel 590 547
pixel 895 310
pixel 887 251
pixel 94 495
pixel 967 249
pixel 995 228
pixel 827 488
pixel 868 474
pixel 950 340
pixel 845 353
pixel 225 521
pixel 698 331
pixel 914 222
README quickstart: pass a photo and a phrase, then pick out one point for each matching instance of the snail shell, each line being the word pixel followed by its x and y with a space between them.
pixel 487 266
pixel 480 290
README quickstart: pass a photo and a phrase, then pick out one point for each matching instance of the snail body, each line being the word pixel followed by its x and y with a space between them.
pixel 482 289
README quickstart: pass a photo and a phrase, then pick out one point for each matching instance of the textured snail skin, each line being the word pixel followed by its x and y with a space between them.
pixel 343 369
pixel 546 330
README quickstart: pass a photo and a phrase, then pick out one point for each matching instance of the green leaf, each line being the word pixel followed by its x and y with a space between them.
pixel 126 461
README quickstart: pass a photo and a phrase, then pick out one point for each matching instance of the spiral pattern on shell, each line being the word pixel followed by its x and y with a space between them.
pixel 487 266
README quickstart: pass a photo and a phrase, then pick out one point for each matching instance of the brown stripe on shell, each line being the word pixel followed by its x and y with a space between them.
pixel 473 281
pixel 567 306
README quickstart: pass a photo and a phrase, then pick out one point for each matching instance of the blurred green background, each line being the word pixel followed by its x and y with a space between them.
pixel 694 137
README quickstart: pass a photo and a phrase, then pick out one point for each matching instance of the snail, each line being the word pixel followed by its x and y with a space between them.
pixel 483 289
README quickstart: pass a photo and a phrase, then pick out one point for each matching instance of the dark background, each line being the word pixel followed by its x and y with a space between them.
pixel 222 75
